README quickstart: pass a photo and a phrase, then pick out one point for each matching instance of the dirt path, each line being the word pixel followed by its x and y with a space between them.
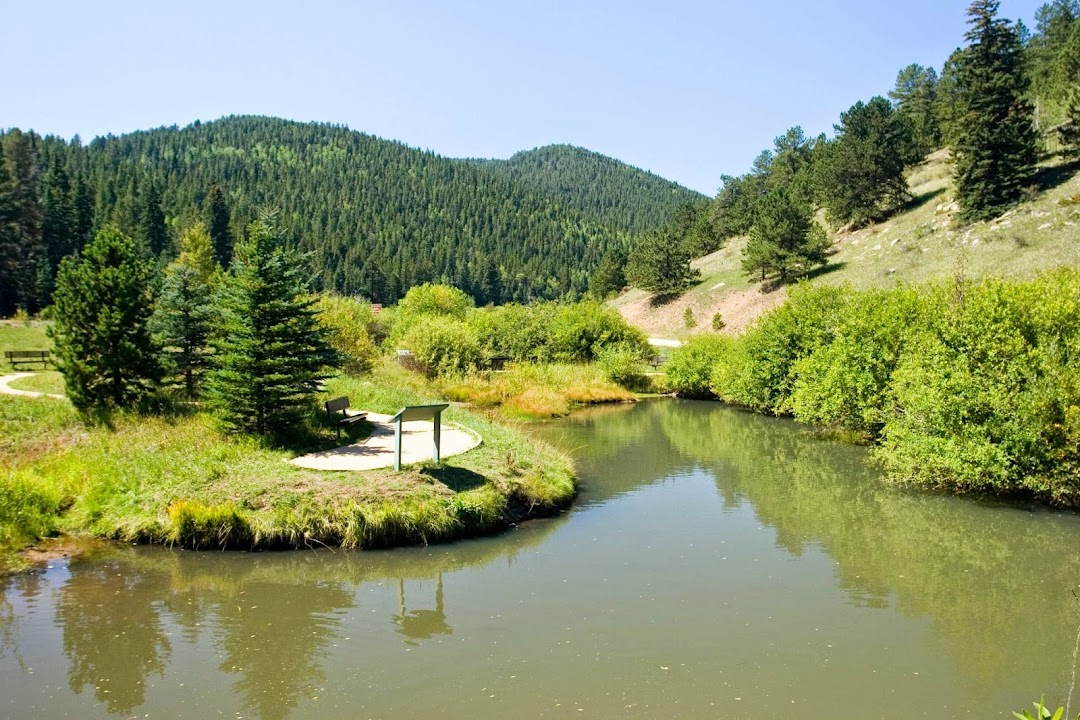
pixel 7 390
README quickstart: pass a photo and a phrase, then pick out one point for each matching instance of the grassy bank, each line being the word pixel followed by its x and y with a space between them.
pixel 178 479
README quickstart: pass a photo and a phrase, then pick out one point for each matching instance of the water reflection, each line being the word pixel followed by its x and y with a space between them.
pixel 421 624
pixel 707 547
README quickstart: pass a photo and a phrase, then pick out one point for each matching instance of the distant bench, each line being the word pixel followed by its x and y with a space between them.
pixel 341 404
pixel 657 360
pixel 27 357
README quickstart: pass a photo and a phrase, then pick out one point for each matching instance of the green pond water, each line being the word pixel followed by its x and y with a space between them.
pixel 717 564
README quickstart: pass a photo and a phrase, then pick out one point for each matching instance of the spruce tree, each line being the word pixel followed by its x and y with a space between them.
pixel 184 313
pixel 102 306
pixel 784 239
pixel 995 149
pixel 271 351
pixel 10 250
pixel 152 230
pixel 915 96
pixel 59 223
pixel 217 223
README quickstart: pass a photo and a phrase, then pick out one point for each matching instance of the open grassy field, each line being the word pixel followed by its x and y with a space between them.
pixel 921 243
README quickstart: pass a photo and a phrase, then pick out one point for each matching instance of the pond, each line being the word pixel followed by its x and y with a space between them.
pixel 716 564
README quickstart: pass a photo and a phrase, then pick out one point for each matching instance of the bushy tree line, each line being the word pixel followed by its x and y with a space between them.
pixel 447 334
pixel 967 386
pixel 248 341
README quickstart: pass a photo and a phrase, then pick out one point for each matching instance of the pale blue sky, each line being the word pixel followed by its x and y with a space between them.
pixel 688 89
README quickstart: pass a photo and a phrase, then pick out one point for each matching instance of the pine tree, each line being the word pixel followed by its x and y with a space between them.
pixel 660 264
pixel 217 223
pixel 102 305
pixel 609 277
pixel 861 172
pixel 31 267
pixel 271 351
pixel 83 199
pixel 151 223
pixel 995 148
pixel 915 96
pixel 59 223
pixel 784 239
pixel 10 251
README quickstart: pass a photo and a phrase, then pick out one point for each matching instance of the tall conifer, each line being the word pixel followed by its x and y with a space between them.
pixel 995 146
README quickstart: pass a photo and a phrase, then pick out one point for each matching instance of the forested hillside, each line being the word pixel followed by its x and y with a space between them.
pixel 378 217
pixel 622 196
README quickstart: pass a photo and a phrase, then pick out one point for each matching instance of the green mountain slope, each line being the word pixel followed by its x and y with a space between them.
pixel 377 216
pixel 623 196
pixel 923 242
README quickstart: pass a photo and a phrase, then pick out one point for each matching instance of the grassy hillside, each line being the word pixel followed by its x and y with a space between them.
pixel 622 196
pixel 921 243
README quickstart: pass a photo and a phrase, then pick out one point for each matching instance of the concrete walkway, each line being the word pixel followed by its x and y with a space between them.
pixel 5 390
pixel 377 450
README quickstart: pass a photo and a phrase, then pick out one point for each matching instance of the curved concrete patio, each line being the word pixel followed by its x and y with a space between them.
pixel 377 449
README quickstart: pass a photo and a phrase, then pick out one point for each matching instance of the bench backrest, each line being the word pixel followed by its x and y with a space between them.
pixel 419 412
pixel 11 354
pixel 337 404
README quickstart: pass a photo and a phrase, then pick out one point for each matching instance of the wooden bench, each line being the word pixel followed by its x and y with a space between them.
pixel 418 412
pixel 657 360
pixel 341 404
pixel 27 357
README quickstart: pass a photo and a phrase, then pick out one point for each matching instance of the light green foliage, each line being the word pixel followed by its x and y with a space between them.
pixel 197 252
pixel 688 318
pixel 987 395
pixel 718 323
pixel 520 332
pixel 428 300
pixel 443 345
pixel 1041 713
pixel 623 364
pixel 101 333
pixel 352 329
pixel 844 382
pixel 579 331
pixel 272 354
pixel 690 367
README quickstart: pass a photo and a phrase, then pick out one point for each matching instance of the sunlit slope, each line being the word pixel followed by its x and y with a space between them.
pixel 921 243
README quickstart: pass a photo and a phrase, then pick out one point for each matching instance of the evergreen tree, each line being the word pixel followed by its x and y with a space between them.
pixel 271 351
pixel 102 306
pixel 60 223
pixel 151 221
pixel 609 278
pixel 784 239
pixel 915 96
pixel 197 252
pixel 182 321
pixel 660 264
pixel 217 223
pixel 31 267
pixel 83 201
pixel 995 148
pixel 10 252
pixel 861 173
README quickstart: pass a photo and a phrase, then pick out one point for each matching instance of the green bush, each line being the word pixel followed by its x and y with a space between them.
pixel 443 345
pixel 845 382
pixel 426 300
pixel 689 369
pixel 623 365
pixel 522 332
pixel 580 330
pixel 352 330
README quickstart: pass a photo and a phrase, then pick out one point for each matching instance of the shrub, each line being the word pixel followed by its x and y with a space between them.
pixel 443 345
pixel 351 326
pixel 622 364
pixel 522 332
pixel 580 330
pixel 690 367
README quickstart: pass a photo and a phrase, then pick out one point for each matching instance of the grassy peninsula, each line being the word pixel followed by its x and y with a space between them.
pixel 177 478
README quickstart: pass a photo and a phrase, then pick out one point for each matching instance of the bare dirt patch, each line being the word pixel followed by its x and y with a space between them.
pixel 737 308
